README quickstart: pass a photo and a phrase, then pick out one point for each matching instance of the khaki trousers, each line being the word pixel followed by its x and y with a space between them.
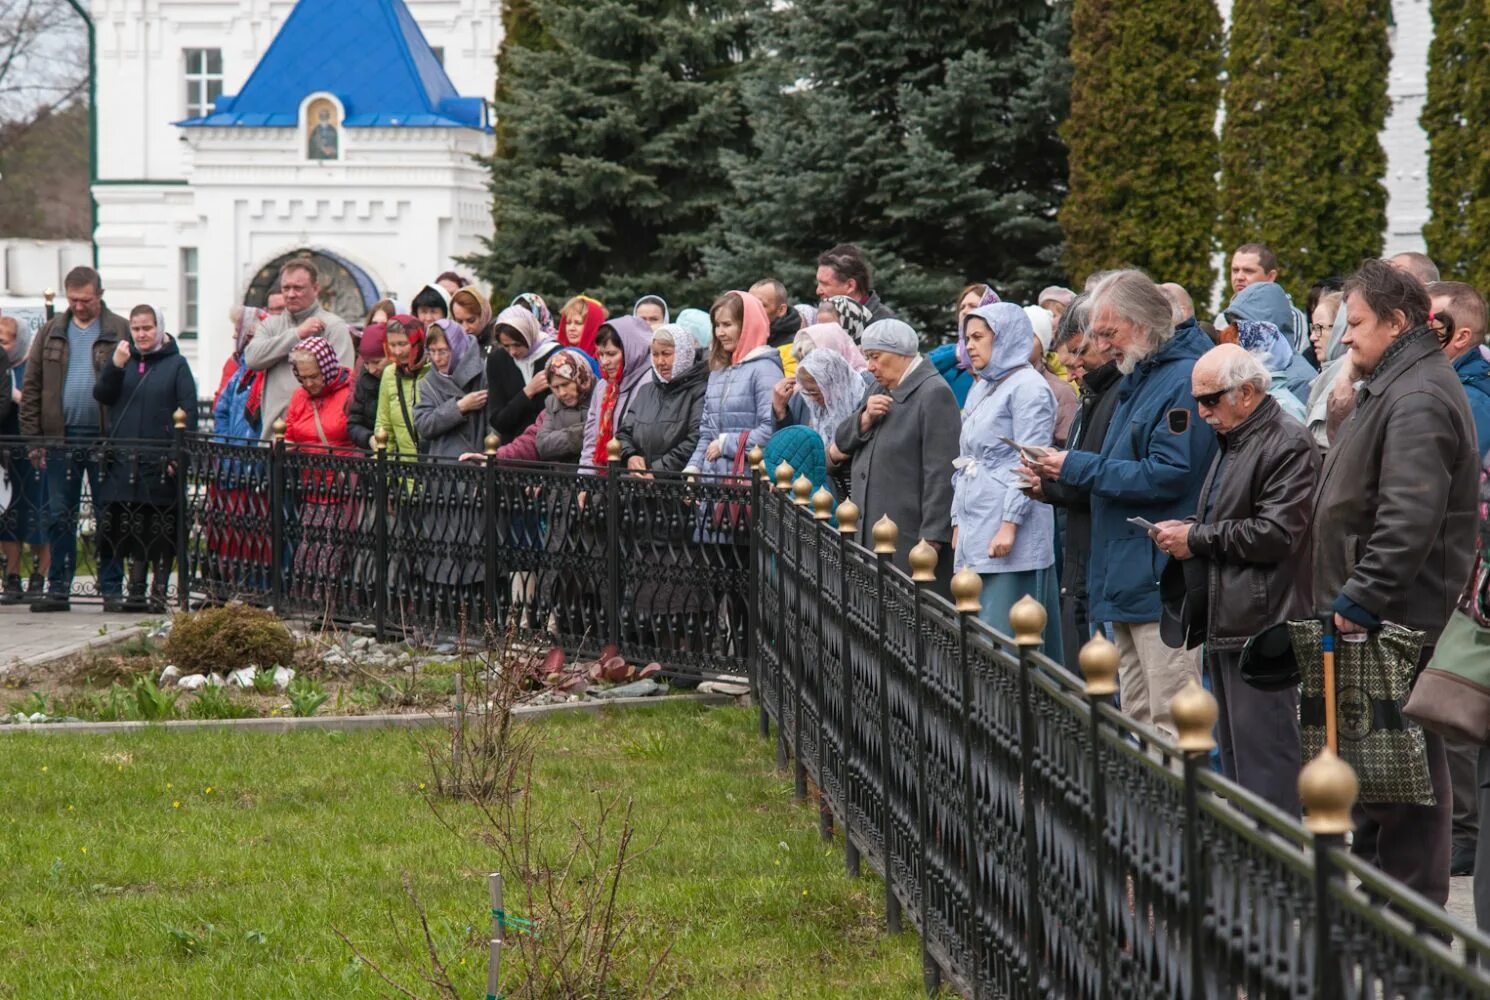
pixel 1150 674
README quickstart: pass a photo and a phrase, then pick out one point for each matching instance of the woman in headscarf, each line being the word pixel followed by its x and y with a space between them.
pixel 558 435
pixel 951 359
pixel 398 393
pixel 372 358
pixel 237 406
pixel 660 428
pixel 579 322
pixel 999 532
pixel 1264 341
pixel 534 303
pixel 737 403
pixel 146 381
pixel 787 404
pixel 517 386
pixel 22 523
pixel 697 323
pixel 652 310
pixel 450 414
pixel 472 311
pixel 326 492
pixel 431 304
pixel 830 392
pixel 853 316
pixel 622 347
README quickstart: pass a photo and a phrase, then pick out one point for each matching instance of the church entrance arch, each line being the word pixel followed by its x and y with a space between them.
pixel 346 289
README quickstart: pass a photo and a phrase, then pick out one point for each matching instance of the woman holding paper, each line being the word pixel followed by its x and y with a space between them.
pixel 999 532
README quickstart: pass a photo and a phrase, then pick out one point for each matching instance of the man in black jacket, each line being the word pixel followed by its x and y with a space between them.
pixel 1251 532
pixel 1087 434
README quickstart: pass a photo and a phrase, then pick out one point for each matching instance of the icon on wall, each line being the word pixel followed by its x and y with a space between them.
pixel 323 141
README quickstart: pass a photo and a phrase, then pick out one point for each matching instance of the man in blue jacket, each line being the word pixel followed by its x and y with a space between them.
pixel 1153 460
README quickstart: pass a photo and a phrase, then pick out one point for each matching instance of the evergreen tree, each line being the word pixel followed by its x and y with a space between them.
pixel 1143 149
pixel 927 138
pixel 1301 158
pixel 521 29
pixel 611 115
pixel 1458 229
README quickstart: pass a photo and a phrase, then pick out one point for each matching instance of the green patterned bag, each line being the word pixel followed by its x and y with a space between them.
pixel 1372 681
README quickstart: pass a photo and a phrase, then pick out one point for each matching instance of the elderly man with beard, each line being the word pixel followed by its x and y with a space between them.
pixel 1153 459
pixel 1249 534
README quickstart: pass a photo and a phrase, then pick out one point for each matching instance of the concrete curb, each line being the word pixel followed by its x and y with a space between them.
pixel 71 649
pixel 348 723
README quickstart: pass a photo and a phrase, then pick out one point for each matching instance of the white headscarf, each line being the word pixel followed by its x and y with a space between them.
pixel 685 349
pixel 842 389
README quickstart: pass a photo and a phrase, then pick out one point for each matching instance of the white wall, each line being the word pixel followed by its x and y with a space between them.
pixel 28 268
pixel 1405 141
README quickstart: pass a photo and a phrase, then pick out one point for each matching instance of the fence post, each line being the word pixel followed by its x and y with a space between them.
pixel 380 534
pixel 848 525
pixel 183 511
pixel 822 513
pixel 613 540
pixel 757 459
pixel 923 571
pixel 1327 788
pixel 783 486
pixel 801 498
pixel 277 514
pixel 489 515
pixel 1194 714
pixel 1027 617
pixel 885 535
pixel 1099 665
pixel 967 593
pixel 498 936
pixel 759 489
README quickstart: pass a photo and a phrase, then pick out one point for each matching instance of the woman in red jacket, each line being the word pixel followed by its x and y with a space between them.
pixel 327 485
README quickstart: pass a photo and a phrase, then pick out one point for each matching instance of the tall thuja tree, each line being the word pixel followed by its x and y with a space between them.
pixel 927 138
pixel 1458 229
pixel 1141 133
pixel 521 29
pixel 608 177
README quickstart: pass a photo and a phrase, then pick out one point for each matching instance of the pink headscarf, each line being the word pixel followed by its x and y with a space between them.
pixel 831 337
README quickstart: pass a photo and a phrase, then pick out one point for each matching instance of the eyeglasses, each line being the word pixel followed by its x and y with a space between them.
pixel 1319 328
pixel 1210 399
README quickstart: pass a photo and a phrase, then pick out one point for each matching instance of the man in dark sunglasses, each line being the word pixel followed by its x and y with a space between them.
pixel 1248 538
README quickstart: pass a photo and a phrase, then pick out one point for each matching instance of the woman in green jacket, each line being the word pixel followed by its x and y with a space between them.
pixel 399 391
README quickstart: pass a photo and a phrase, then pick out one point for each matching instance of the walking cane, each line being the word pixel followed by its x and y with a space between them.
pixel 1331 738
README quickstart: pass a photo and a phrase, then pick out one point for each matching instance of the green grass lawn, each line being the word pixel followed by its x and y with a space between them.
pixel 213 864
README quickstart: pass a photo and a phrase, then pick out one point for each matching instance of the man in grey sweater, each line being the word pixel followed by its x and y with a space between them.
pixel 304 316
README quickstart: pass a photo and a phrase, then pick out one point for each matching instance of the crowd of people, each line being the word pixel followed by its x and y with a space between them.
pixel 1183 486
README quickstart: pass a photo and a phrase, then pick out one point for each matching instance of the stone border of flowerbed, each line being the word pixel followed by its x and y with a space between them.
pixel 332 723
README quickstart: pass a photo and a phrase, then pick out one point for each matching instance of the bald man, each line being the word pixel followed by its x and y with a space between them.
pixel 1249 532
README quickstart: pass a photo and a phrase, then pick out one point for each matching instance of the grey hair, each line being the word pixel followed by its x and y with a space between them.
pixel 1134 297
pixel 1094 279
pixel 1419 265
pixel 1074 320
pixel 1237 369
pixel 1184 306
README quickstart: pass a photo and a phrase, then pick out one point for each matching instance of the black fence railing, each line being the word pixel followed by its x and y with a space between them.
pixel 1043 844
pixel 657 566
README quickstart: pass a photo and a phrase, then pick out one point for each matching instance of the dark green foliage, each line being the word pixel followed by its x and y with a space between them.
pixel 1301 159
pixel 608 181
pixel 219 640
pixel 1143 151
pixel 1458 229
pixel 926 135
pixel 521 29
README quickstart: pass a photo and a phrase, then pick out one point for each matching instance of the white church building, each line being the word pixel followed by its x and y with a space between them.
pixel 235 134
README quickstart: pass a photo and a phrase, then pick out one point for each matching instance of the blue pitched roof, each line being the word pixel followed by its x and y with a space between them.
pixel 369 53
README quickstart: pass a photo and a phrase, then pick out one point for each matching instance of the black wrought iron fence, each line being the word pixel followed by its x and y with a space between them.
pixel 1044 844
pixel 656 565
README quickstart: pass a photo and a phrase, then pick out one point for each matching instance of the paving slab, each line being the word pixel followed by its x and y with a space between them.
pixel 26 637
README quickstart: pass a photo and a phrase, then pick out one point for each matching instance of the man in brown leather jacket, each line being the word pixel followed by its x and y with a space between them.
pixel 1394 535
pixel 1250 531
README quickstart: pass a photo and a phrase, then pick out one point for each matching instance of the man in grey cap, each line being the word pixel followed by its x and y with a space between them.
pixel 902 442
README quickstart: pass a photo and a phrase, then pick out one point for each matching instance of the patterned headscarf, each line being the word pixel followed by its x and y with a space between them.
pixel 533 303
pixel 685 349
pixel 842 389
pixel 334 374
pixel 573 367
pixel 414 330
pixel 852 316
pixel 247 324
pixel 1266 341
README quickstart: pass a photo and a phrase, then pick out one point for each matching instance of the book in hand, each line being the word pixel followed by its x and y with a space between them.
pixel 1031 452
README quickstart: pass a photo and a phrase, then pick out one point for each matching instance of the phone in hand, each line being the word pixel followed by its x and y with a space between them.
pixel 1144 524
pixel 1031 452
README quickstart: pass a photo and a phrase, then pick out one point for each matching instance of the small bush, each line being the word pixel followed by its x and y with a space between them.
pixel 306 697
pixel 219 640
pixel 151 703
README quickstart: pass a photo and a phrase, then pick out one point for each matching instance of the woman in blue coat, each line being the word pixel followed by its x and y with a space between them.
pixel 999 533
pixel 737 401
pixel 141 388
